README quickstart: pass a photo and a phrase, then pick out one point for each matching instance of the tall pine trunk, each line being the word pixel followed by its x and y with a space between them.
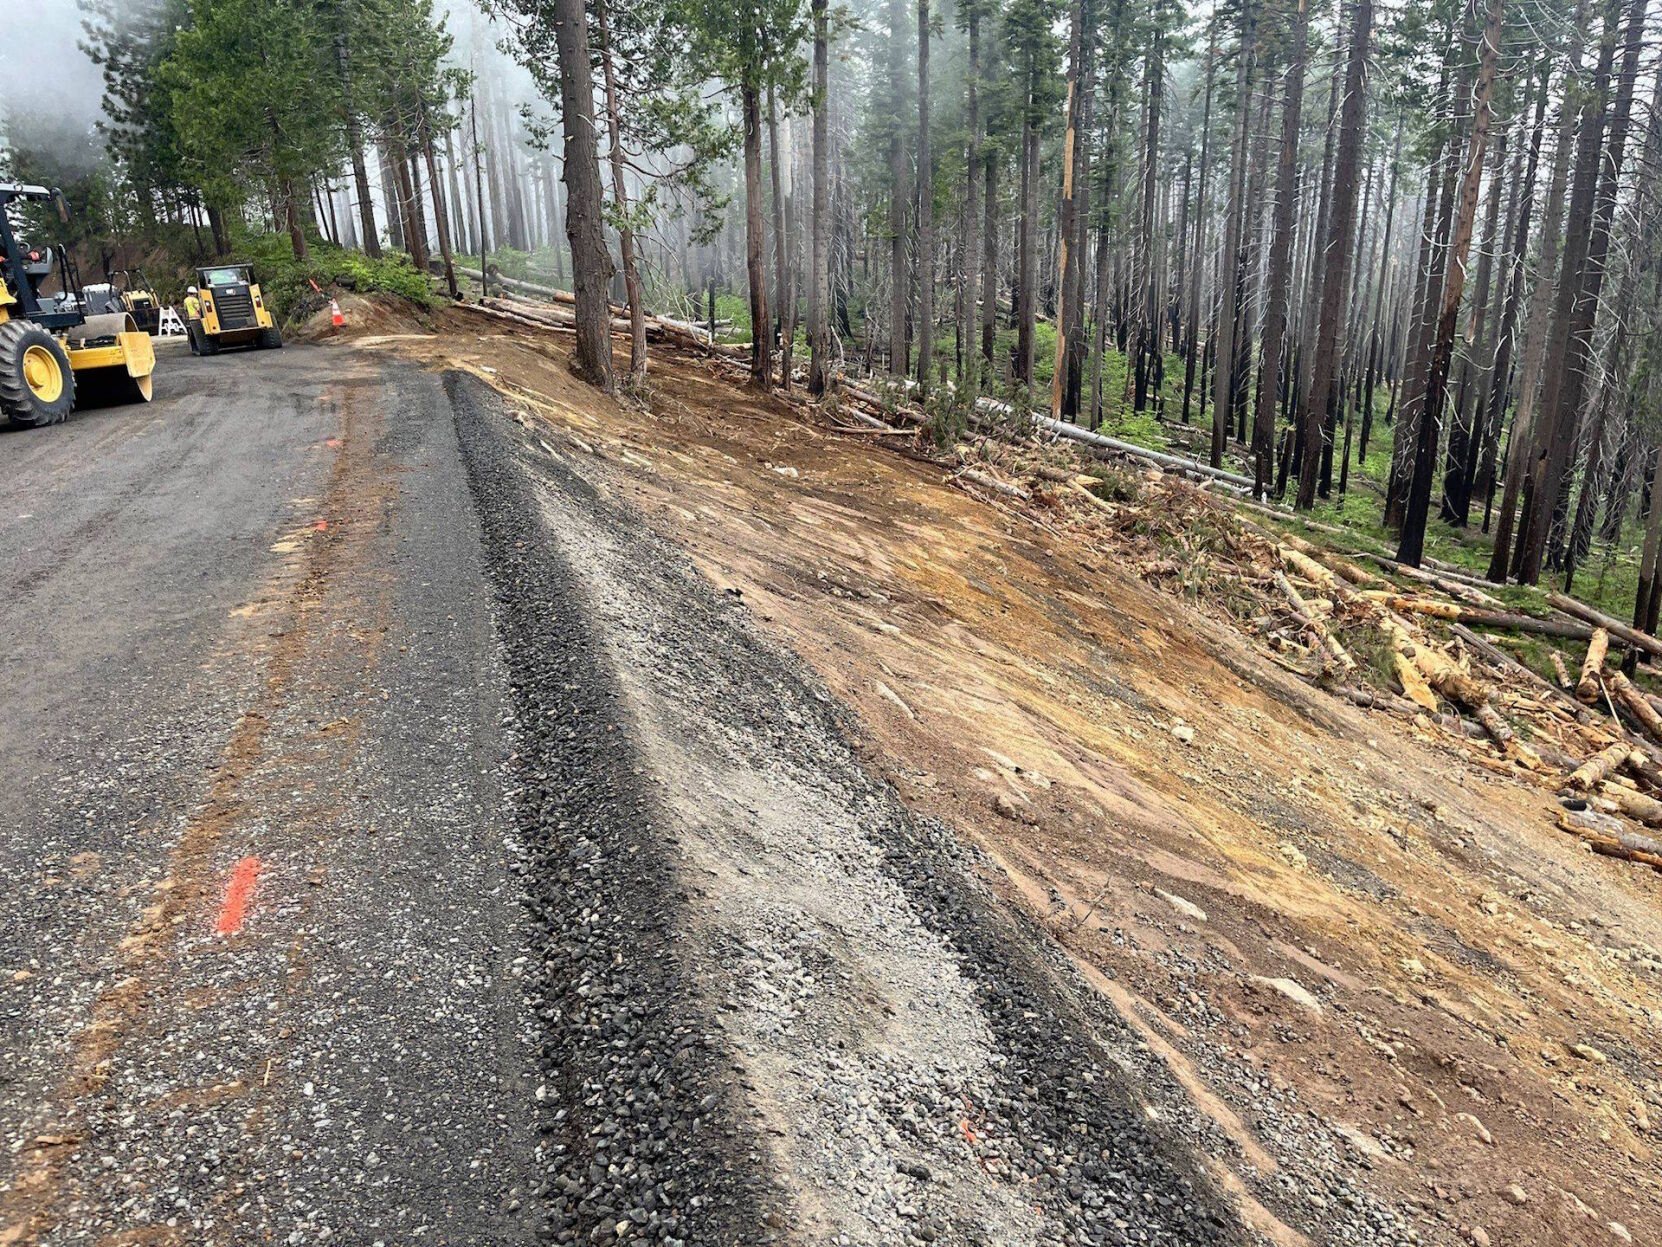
pixel 898 194
pixel 1586 241
pixel 1202 215
pixel 355 147
pixel 1281 248
pixel 1148 319
pixel 1027 250
pixel 1411 547
pixel 441 218
pixel 819 255
pixel 781 243
pixel 926 211
pixel 591 263
pixel 1337 261
pixel 620 197
pixel 971 371
pixel 989 263
pixel 1517 252
pixel 1521 444
pixel 761 337
pixel 1223 337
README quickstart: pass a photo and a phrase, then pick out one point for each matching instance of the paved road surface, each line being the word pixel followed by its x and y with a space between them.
pixel 248 623
pixel 402 844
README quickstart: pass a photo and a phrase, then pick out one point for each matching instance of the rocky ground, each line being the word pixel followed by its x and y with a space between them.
pixel 687 822
pixel 756 957
pixel 1396 1000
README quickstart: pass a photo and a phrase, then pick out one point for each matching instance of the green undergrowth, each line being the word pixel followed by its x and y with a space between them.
pixel 287 282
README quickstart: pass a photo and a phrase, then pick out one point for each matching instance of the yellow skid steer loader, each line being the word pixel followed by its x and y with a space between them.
pixel 53 356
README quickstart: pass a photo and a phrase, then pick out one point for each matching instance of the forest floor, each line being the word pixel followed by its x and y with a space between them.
pixel 1380 973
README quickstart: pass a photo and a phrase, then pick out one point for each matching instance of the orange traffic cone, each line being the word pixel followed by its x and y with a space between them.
pixel 335 317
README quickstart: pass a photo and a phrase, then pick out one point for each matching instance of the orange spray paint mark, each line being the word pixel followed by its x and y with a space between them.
pixel 235 909
pixel 320 525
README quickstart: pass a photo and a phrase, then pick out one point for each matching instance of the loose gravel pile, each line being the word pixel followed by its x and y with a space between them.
pixel 776 1007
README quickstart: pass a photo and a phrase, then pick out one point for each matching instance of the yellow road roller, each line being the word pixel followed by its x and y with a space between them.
pixel 53 356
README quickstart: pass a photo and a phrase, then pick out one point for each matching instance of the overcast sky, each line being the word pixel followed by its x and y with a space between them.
pixel 41 63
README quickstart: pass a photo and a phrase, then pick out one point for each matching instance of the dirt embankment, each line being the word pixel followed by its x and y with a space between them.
pixel 1375 966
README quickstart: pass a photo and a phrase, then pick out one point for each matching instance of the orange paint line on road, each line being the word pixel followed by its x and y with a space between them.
pixel 235 909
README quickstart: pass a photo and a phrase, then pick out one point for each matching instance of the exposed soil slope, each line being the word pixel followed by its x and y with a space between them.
pixel 1388 984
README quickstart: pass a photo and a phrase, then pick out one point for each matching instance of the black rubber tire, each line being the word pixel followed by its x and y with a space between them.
pixel 209 345
pixel 270 339
pixel 18 403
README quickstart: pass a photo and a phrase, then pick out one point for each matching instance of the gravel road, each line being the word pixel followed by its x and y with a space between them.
pixel 406 845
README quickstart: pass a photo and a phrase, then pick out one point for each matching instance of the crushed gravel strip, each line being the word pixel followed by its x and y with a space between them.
pixel 777 1007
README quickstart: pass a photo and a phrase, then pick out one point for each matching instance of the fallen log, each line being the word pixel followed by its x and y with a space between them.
pixel 1615 627
pixel 1625 846
pixel 1330 643
pixel 1636 704
pixel 871 422
pixel 1368 698
pixel 1316 573
pixel 992 483
pixel 1073 432
pixel 1642 766
pixel 1403 649
pixel 1455 586
pixel 1100 504
pixel 1174 463
pixel 1327 558
pixel 1561 671
pixel 1415 606
pixel 1282 513
pixel 1507 621
pixel 1593 772
pixel 1634 805
pixel 1500 731
pixel 1437 671
pixel 898 410
pixel 1592 666
pixel 1515 668
pixel 667 329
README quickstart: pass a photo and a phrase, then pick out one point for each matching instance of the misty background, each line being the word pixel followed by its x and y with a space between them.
pixel 51 93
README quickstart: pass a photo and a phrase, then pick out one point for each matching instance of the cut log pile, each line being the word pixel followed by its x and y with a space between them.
pixel 1433 638
pixel 1397 639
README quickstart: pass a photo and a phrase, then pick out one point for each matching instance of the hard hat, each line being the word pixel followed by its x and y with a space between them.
pixel 191 290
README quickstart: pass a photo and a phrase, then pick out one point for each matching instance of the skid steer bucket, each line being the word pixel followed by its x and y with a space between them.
pixel 112 360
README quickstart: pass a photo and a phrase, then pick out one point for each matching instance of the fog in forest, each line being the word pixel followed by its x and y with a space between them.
pixel 52 93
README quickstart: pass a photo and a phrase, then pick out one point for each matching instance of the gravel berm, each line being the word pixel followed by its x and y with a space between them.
pixel 775 1006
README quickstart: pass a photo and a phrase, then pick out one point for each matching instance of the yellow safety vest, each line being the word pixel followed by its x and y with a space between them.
pixel 193 307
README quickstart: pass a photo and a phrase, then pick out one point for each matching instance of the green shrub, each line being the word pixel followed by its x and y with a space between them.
pixel 287 283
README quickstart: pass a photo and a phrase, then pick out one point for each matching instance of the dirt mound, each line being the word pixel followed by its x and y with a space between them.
pixel 367 315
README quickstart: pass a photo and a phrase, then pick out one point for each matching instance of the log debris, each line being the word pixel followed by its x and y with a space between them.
pixel 1561 671
pixel 1335 652
pixel 1615 627
pixel 1587 688
pixel 1593 772
pixel 1635 703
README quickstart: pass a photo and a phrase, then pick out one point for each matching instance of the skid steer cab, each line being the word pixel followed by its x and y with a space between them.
pixel 233 311
pixel 55 357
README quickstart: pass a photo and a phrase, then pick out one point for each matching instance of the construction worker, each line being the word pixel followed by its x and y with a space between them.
pixel 193 319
